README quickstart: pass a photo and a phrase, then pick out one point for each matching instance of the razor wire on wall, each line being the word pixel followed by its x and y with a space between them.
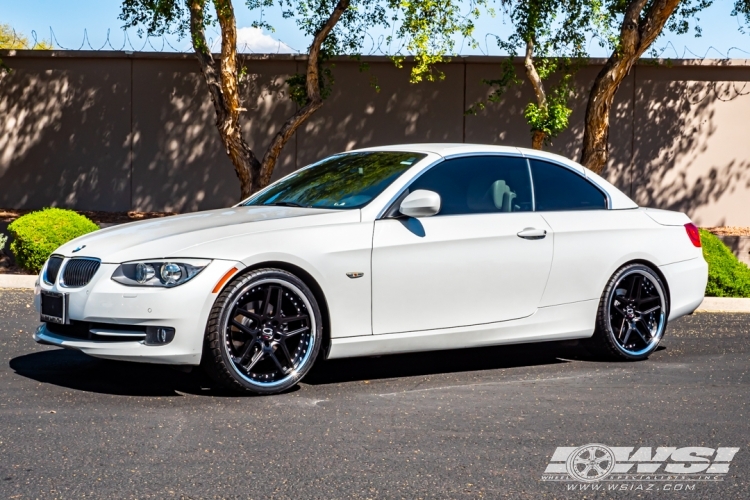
pixel 378 45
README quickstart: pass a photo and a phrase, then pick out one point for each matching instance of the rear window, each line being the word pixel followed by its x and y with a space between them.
pixel 559 188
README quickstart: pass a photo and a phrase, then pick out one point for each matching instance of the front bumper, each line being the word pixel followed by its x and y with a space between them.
pixel 122 351
pixel 184 308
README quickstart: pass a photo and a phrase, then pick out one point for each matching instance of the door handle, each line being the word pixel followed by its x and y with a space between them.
pixel 531 233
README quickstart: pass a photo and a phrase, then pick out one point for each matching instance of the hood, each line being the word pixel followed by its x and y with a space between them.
pixel 157 238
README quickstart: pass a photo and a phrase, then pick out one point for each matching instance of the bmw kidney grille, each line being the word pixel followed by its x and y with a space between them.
pixel 78 272
pixel 53 267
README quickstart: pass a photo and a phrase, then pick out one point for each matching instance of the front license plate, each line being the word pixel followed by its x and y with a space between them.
pixel 54 307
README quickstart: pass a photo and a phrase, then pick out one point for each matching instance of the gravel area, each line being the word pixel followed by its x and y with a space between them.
pixel 729 230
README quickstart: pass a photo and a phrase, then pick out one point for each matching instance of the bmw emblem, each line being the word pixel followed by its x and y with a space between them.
pixel 79 248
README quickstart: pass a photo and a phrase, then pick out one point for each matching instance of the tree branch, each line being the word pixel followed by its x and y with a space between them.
pixel 636 35
pixel 314 99
pixel 654 20
pixel 205 58
pixel 533 76
pixel 537 136
pixel 224 90
pixel 229 73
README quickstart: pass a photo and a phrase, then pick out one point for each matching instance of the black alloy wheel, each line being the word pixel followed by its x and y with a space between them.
pixel 264 332
pixel 632 315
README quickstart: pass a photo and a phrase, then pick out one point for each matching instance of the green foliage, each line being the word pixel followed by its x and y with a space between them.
pixel 727 276
pixel 347 37
pixel 684 18
pixel 156 17
pixel 298 85
pixel 428 27
pixel 363 66
pixel 161 17
pixel 11 39
pixel 3 241
pixel 556 32
pixel 554 119
pixel 742 10
pixel 38 234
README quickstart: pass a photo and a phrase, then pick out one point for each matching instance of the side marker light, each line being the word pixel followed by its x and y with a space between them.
pixel 224 279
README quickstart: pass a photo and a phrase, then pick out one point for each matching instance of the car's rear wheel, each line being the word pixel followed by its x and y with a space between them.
pixel 264 332
pixel 632 315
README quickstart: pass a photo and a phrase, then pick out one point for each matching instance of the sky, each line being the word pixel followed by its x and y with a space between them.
pixel 94 24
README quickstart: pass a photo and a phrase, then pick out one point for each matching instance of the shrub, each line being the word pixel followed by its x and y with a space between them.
pixel 3 240
pixel 727 276
pixel 38 234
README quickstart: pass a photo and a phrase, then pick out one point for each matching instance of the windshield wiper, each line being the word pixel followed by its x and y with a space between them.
pixel 284 204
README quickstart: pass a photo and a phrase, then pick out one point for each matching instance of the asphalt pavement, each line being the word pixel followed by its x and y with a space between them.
pixel 479 423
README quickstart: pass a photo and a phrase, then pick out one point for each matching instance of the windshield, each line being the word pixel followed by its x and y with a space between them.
pixel 344 181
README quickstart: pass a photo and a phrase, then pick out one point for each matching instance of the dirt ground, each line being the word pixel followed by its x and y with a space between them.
pixel 9 215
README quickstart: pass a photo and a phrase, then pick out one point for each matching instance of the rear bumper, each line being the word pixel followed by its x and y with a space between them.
pixel 687 285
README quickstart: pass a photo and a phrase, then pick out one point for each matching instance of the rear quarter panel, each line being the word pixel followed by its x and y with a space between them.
pixel 589 246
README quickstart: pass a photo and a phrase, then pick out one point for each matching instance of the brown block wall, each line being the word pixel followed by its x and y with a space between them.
pixel 117 131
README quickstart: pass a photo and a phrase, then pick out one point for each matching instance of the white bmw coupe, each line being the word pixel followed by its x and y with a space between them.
pixel 377 251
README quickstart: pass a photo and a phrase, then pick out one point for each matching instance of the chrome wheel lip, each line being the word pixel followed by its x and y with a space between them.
pixel 292 374
pixel 656 336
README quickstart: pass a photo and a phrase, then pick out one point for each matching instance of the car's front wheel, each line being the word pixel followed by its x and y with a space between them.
pixel 632 315
pixel 264 332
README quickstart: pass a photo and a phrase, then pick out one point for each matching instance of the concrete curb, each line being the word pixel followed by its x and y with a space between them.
pixel 17 281
pixel 724 304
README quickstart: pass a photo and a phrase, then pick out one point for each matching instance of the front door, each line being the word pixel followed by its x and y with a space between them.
pixel 467 265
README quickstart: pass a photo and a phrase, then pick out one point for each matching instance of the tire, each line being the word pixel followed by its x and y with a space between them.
pixel 252 344
pixel 632 315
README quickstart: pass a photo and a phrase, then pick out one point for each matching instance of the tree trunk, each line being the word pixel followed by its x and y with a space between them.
pixel 224 89
pixel 637 33
pixel 314 99
pixel 537 136
pixel 537 139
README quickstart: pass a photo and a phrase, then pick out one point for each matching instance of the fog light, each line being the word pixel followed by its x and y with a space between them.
pixel 158 335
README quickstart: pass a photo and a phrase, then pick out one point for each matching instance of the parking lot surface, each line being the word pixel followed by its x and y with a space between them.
pixel 480 423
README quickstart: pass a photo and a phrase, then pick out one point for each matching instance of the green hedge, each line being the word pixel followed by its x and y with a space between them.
pixel 727 276
pixel 38 234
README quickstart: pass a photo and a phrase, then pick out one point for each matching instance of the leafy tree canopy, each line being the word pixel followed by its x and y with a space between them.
pixel 11 39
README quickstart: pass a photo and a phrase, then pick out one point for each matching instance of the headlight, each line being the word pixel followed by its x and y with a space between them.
pixel 164 273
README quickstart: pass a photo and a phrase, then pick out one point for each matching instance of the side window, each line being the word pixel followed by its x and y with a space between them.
pixel 479 184
pixel 557 188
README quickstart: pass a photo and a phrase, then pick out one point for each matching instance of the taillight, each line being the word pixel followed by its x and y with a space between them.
pixel 693 234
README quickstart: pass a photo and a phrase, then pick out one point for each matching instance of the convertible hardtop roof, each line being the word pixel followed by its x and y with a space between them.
pixel 446 149
pixel 617 199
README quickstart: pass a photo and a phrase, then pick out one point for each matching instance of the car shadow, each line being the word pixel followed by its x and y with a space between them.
pixel 435 362
pixel 78 371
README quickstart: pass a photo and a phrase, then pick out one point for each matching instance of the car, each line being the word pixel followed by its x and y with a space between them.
pixel 379 251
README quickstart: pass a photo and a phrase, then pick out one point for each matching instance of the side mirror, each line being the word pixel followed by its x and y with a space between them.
pixel 420 203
